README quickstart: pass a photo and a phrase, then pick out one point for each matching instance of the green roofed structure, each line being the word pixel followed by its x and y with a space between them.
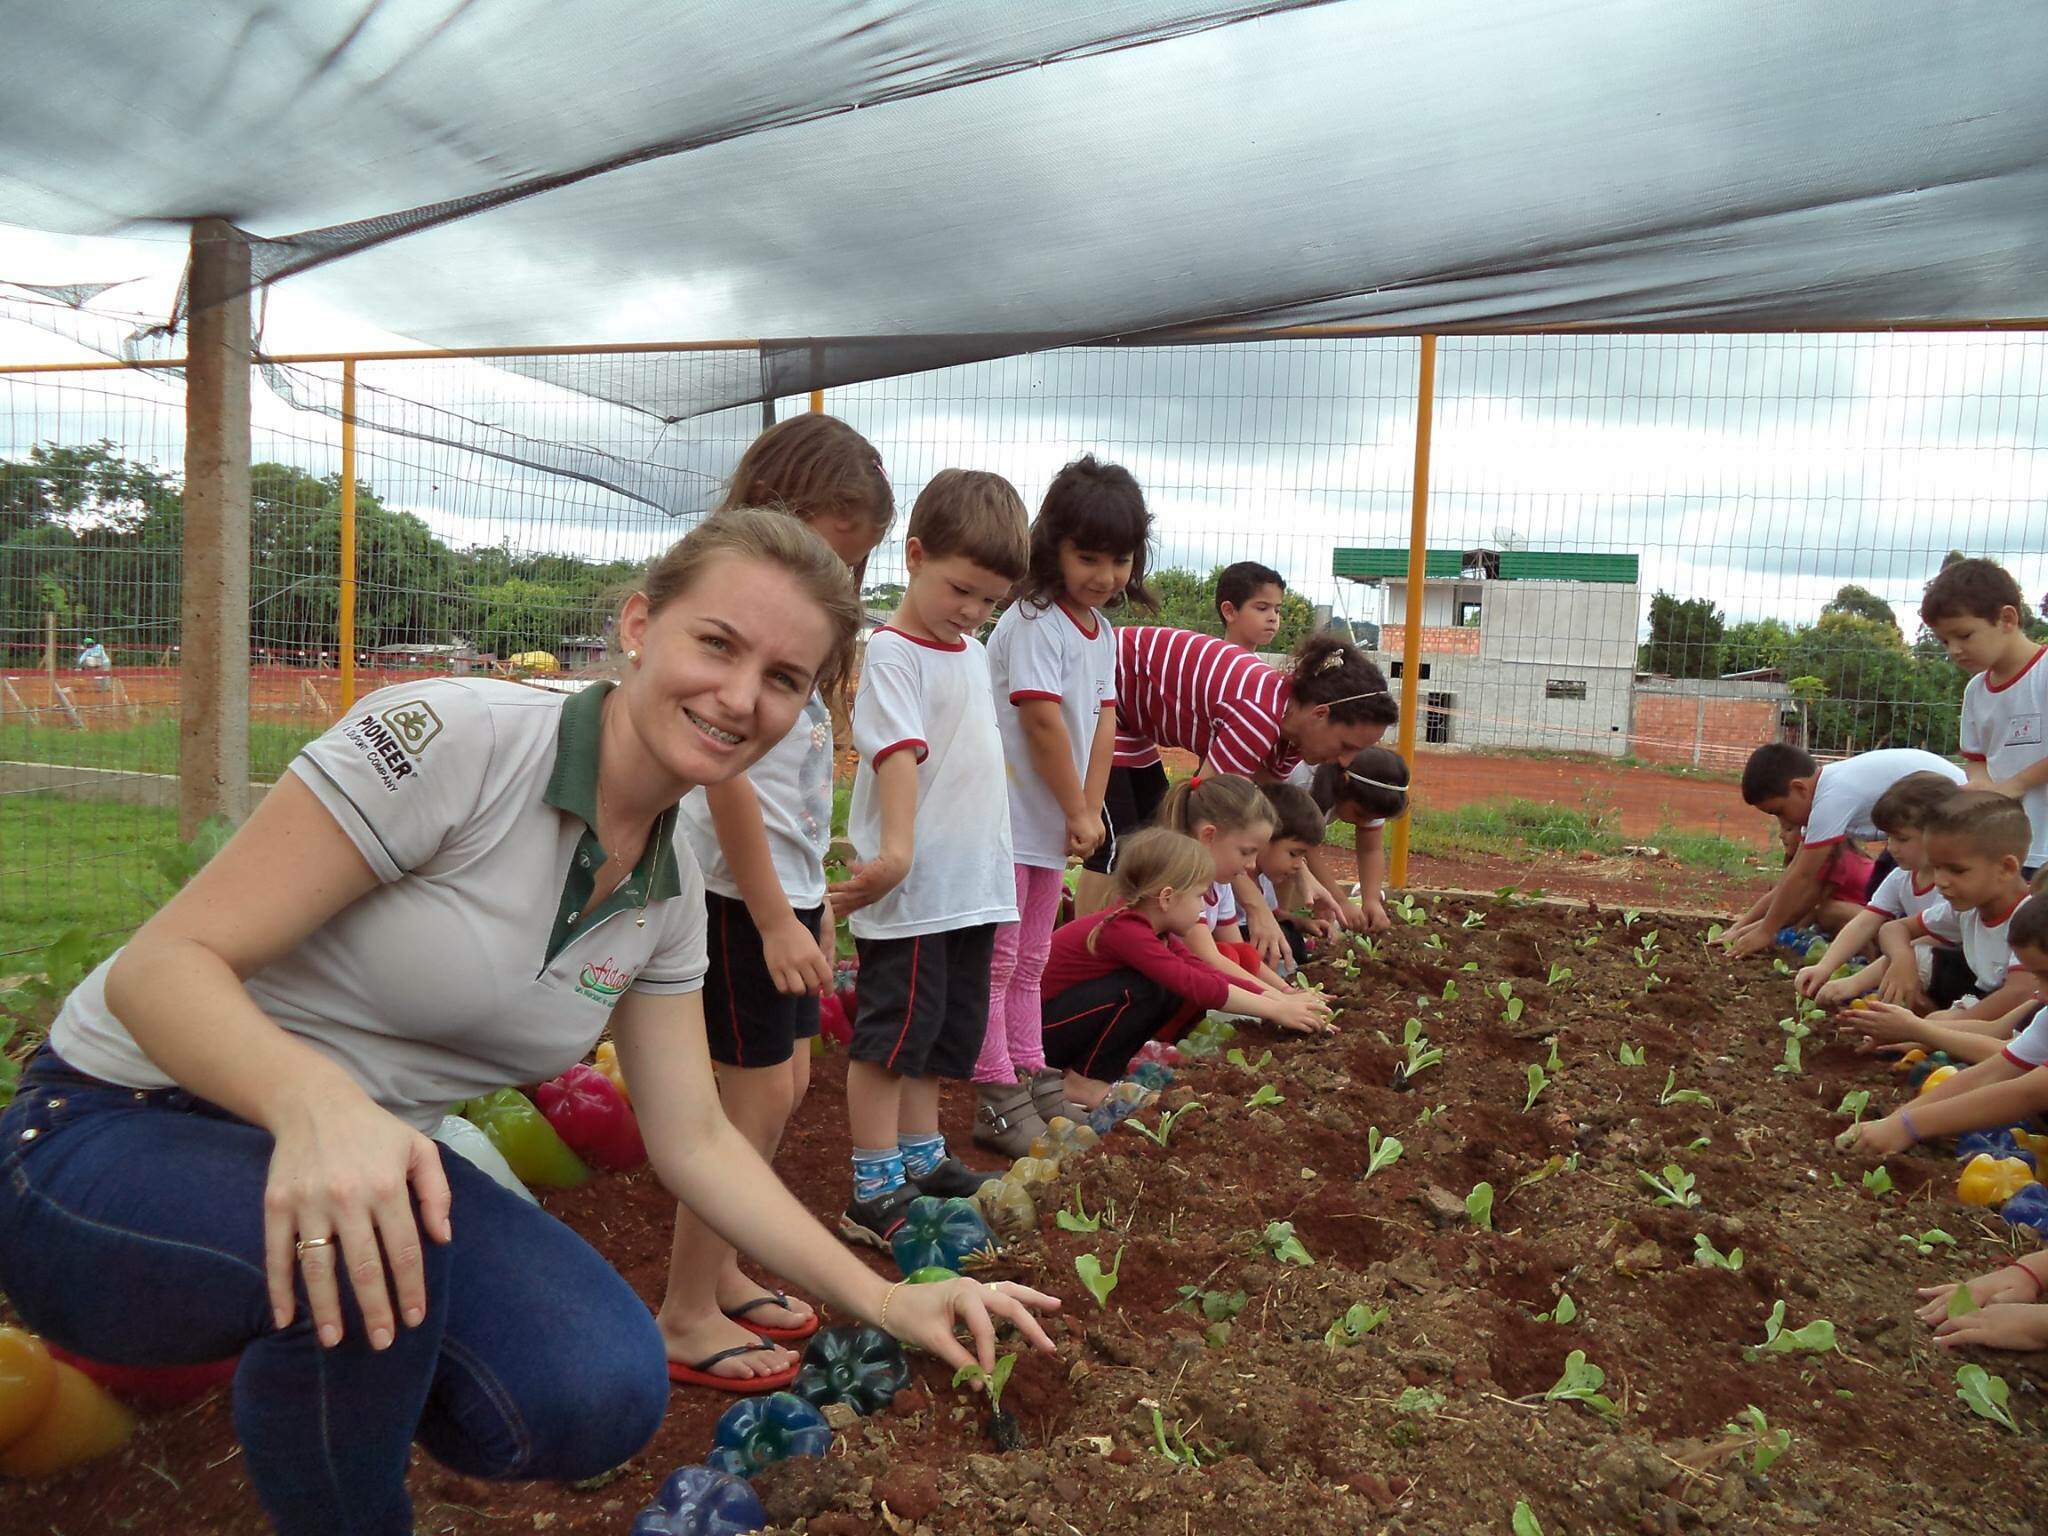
pixel 1535 649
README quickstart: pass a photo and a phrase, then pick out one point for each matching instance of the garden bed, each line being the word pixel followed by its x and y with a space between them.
pixel 1435 1419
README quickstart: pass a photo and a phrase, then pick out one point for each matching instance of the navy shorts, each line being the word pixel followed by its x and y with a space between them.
pixel 1129 803
pixel 747 1021
pixel 922 1003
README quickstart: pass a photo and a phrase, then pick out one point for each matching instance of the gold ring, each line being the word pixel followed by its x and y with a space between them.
pixel 304 1243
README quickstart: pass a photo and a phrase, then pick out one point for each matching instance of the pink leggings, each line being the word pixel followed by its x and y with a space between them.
pixel 1015 1041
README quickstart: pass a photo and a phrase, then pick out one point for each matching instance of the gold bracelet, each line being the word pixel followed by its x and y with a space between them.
pixel 887 1297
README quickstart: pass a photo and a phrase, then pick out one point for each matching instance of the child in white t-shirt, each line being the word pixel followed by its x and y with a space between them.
pixel 760 839
pixel 1052 664
pixel 1284 878
pixel 1975 609
pixel 1902 813
pixel 1823 805
pixel 934 876
pixel 1368 790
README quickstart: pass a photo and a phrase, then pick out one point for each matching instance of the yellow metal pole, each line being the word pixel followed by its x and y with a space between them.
pixel 348 535
pixel 1418 568
pixel 817 402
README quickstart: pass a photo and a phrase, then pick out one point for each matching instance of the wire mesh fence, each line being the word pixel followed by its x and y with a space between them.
pixel 1644 552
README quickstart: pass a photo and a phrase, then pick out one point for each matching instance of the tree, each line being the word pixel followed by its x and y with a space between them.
pixel 1877 692
pixel 1685 637
pixel 520 615
pixel 1862 603
pixel 1755 644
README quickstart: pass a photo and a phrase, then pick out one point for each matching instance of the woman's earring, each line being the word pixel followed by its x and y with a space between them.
pixel 633 657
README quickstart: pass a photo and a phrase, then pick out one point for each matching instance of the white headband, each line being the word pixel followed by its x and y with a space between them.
pixel 1359 778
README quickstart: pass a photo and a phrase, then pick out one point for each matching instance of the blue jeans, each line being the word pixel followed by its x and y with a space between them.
pixel 131 1230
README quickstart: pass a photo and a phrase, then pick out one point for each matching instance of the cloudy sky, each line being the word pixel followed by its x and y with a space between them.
pixel 1762 472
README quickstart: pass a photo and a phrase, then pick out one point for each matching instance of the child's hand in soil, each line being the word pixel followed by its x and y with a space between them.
pixel 1884 1021
pixel 1747 939
pixel 1836 993
pixel 1876 1138
pixel 2007 1325
pixel 1812 981
pixel 1903 990
pixel 2001 1285
pixel 1303 1012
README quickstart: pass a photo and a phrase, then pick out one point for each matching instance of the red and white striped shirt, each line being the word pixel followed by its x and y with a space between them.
pixel 1176 688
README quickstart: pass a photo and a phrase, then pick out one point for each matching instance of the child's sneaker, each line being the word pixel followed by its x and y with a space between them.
pixel 951 1179
pixel 874 1222
pixel 1006 1119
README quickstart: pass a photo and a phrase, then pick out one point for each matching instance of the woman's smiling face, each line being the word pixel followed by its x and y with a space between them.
pixel 724 668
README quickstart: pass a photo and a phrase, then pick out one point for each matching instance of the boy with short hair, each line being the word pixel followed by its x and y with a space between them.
pixel 1903 813
pixel 1282 865
pixel 1823 805
pixel 1975 609
pixel 933 875
pixel 1248 598
pixel 1974 847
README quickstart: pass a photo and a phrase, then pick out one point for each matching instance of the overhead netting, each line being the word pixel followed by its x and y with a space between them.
pixel 954 180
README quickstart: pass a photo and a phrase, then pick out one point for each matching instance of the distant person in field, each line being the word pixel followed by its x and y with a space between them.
pixel 94 658
pixel 1248 599
pixel 1824 805
pixel 1975 609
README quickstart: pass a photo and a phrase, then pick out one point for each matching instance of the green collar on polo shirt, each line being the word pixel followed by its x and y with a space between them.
pixel 572 787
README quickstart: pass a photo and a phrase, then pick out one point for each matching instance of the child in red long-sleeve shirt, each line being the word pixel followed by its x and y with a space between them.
pixel 1118 976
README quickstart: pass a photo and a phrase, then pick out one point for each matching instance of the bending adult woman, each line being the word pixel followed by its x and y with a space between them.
pixel 1179 688
pixel 457 887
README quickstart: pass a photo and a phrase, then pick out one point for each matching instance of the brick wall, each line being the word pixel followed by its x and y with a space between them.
pixel 1727 730
pixel 1439 640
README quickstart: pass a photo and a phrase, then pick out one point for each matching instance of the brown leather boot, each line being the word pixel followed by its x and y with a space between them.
pixel 1005 1119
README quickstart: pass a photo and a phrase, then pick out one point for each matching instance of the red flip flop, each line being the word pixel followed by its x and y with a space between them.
pixel 802 1331
pixel 700 1374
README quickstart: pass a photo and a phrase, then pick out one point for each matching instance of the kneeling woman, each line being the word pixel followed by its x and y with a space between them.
pixel 223 1149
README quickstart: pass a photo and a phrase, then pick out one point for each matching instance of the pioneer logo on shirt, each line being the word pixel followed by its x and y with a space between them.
pixel 414 723
pixel 603 981
pixel 381 745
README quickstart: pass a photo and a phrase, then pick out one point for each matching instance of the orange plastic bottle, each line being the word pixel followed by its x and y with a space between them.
pixel 28 1381
pixel 81 1422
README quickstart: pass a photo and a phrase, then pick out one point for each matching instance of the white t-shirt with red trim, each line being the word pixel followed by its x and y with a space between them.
pixel 2029 1048
pixel 1303 776
pixel 1219 906
pixel 1845 792
pixel 919 696
pixel 1983 937
pixel 1901 894
pixel 1177 688
pixel 2003 730
pixel 1048 653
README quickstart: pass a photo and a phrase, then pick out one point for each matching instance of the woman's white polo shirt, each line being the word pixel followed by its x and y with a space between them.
pixel 472 965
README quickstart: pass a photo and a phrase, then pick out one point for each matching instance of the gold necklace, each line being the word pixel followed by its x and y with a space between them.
pixel 603 812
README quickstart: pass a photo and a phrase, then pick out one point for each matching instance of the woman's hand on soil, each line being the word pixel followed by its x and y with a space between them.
pixel 1265 935
pixel 2003 1325
pixel 1376 919
pixel 796 963
pixel 343 1171
pixel 2001 1285
pixel 929 1315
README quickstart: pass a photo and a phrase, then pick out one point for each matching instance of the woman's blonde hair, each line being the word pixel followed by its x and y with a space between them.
pixel 1227 801
pixel 772 538
pixel 1150 861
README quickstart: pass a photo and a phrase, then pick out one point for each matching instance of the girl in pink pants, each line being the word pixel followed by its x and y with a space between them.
pixel 1052 662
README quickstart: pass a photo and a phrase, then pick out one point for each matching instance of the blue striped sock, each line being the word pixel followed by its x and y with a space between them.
pixel 921 1154
pixel 876 1172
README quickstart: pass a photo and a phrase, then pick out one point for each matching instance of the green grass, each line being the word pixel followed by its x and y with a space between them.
pixel 150 747
pixel 1512 828
pixel 84 863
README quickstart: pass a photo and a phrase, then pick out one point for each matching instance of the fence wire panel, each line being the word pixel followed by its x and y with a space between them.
pixel 1644 553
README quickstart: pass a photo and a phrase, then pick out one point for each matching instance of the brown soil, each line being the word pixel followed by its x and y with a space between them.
pixel 1315 1439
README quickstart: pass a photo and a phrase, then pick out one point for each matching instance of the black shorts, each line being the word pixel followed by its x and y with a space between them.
pixel 1297 941
pixel 747 1022
pixel 1095 1027
pixel 1128 805
pixel 1880 867
pixel 1950 978
pixel 921 1004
